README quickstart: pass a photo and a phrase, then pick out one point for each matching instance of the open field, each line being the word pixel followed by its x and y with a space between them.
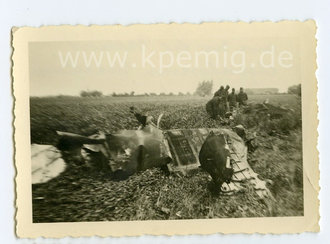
pixel 87 115
pixel 83 194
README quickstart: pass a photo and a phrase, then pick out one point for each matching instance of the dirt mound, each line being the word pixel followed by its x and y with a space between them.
pixel 269 118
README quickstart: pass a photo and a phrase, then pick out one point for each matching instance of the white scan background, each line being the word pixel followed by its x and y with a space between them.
pixel 39 12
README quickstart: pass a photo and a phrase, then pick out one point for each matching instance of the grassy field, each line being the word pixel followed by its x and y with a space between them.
pixel 87 115
pixel 83 194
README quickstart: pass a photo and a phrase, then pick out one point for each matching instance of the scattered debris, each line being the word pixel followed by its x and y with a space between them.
pixel 83 193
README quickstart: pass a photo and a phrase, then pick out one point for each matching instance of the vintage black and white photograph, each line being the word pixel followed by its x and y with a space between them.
pixel 168 125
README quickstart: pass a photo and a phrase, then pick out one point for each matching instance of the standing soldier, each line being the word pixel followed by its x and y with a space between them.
pixel 226 93
pixel 219 92
pixel 213 106
pixel 223 106
pixel 227 89
pixel 242 97
pixel 232 99
pixel 221 102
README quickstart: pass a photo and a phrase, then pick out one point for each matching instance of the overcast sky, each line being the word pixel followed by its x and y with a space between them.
pixel 162 65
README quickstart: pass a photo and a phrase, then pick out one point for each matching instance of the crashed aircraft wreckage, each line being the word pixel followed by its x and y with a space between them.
pixel 219 151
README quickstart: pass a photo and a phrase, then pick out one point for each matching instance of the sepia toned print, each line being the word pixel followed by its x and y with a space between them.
pixel 166 129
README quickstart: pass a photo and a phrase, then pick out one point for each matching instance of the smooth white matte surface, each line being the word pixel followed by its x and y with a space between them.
pixel 39 12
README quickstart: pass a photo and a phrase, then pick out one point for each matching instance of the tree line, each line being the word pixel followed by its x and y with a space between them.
pixel 131 94
pixel 203 89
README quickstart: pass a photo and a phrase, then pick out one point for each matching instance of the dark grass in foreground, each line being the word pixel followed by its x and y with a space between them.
pixel 82 193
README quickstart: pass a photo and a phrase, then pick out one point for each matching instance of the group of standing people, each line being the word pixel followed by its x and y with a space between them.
pixel 224 101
